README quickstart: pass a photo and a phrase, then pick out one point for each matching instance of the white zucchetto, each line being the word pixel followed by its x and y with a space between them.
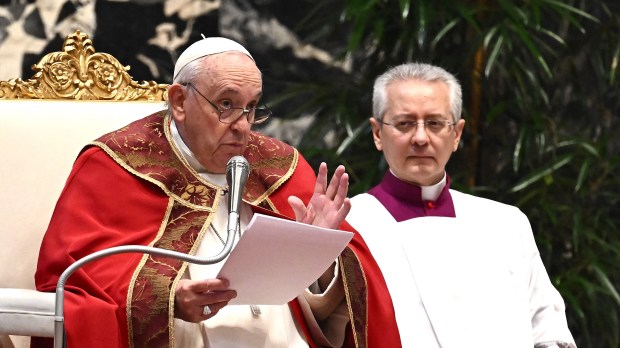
pixel 207 47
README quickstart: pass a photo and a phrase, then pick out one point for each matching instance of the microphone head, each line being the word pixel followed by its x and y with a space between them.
pixel 237 172
pixel 237 168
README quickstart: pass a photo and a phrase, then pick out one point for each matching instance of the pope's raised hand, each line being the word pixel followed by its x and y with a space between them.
pixel 329 204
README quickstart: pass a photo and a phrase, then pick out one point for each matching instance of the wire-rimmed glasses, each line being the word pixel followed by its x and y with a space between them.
pixel 230 114
pixel 406 126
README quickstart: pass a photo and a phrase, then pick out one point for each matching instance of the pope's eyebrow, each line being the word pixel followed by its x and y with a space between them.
pixel 232 90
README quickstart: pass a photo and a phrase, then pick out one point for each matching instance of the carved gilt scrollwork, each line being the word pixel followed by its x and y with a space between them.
pixel 81 73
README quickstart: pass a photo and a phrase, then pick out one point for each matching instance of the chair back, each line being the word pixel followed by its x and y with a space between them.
pixel 74 96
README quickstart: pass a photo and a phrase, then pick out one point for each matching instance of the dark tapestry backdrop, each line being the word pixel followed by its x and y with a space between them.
pixel 148 35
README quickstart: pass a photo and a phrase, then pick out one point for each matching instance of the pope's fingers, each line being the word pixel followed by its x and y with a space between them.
pixel 344 210
pixel 218 297
pixel 335 183
pixel 321 179
pixel 211 302
pixel 299 208
pixel 193 294
pixel 343 190
pixel 208 285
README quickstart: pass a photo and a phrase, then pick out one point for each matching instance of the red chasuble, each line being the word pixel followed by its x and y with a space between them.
pixel 127 188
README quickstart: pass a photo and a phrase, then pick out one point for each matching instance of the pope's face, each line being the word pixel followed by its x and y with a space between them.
pixel 232 79
pixel 419 155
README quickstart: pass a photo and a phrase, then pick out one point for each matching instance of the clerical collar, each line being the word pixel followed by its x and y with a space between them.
pixel 190 158
pixel 429 193
pixel 406 201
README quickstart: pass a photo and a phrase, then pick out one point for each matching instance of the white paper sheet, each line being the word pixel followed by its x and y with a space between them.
pixel 276 259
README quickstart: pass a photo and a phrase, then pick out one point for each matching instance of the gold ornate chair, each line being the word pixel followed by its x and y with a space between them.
pixel 74 96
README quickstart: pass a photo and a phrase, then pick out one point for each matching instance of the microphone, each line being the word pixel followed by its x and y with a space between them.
pixel 237 172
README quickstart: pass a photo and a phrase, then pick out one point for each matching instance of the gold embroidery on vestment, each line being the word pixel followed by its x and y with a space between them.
pixel 136 272
pixel 349 262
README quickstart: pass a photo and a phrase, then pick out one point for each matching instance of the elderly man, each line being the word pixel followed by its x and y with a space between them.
pixel 160 182
pixel 461 271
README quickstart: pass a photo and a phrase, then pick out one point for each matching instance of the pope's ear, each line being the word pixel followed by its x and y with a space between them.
pixel 176 100
pixel 376 133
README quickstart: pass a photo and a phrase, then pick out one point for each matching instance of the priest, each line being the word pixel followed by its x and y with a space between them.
pixel 461 271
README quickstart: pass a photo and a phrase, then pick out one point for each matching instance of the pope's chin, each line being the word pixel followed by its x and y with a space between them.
pixel 233 149
pixel 219 166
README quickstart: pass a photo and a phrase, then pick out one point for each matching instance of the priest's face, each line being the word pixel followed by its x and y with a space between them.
pixel 417 153
pixel 228 80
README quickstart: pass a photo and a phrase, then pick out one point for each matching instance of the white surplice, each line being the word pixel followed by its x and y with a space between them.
pixel 476 280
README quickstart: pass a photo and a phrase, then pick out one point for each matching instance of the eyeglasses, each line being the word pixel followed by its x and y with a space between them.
pixel 434 126
pixel 230 114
